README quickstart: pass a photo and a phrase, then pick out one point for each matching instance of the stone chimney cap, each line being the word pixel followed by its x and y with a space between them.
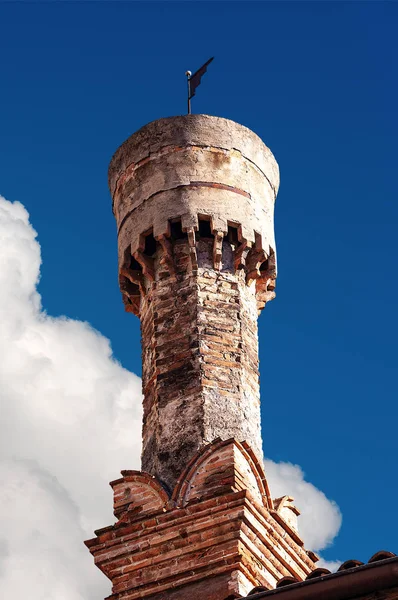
pixel 193 130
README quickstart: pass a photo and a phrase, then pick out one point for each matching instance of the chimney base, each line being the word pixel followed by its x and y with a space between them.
pixel 218 534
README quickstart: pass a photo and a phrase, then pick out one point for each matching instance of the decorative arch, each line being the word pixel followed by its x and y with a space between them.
pixel 137 492
pixel 221 467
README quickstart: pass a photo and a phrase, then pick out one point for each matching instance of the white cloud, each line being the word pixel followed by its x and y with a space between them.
pixel 70 420
pixel 41 537
pixel 332 565
pixel 320 518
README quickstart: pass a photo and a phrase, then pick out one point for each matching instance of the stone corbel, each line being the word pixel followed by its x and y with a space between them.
pixel 254 260
pixel 240 255
pixel 192 248
pixel 146 263
pixel 265 287
pixel 136 277
pixel 131 294
pixel 217 249
pixel 132 304
pixel 167 257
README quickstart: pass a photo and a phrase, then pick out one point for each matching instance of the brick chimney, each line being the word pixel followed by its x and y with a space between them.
pixel 193 198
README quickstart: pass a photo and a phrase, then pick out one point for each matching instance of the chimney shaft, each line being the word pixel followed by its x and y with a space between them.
pixel 193 198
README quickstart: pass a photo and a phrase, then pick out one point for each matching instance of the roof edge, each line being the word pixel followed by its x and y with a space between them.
pixel 341 585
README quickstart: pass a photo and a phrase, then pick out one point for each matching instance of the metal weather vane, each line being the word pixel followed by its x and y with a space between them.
pixel 194 80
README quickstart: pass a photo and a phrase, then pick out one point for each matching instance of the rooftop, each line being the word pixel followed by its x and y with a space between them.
pixel 352 579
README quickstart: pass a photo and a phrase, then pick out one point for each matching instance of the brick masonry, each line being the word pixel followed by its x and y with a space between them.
pixel 200 359
pixel 219 532
pixel 193 199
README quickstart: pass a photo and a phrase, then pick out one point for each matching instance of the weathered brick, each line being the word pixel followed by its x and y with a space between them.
pixel 202 525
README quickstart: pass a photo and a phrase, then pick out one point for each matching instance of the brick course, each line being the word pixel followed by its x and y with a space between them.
pixel 193 199
pixel 200 359
pixel 174 543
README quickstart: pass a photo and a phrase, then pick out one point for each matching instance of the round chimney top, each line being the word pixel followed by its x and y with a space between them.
pixel 192 130
pixel 190 168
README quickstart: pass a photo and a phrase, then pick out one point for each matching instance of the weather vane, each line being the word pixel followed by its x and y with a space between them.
pixel 194 81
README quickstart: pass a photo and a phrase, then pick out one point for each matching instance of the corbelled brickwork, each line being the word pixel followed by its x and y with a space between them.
pixel 217 536
pixel 193 199
pixel 200 359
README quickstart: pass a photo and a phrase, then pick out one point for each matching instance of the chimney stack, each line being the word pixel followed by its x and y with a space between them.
pixel 193 198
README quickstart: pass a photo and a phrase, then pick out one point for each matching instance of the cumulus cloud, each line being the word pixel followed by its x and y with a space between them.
pixel 320 518
pixel 70 420
pixel 332 565
pixel 40 548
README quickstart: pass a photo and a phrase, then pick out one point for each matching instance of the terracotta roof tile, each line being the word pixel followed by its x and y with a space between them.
pixel 286 581
pixel 349 564
pixel 381 555
pixel 319 572
pixel 383 561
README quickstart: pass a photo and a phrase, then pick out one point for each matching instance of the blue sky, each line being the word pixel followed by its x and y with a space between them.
pixel 317 81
